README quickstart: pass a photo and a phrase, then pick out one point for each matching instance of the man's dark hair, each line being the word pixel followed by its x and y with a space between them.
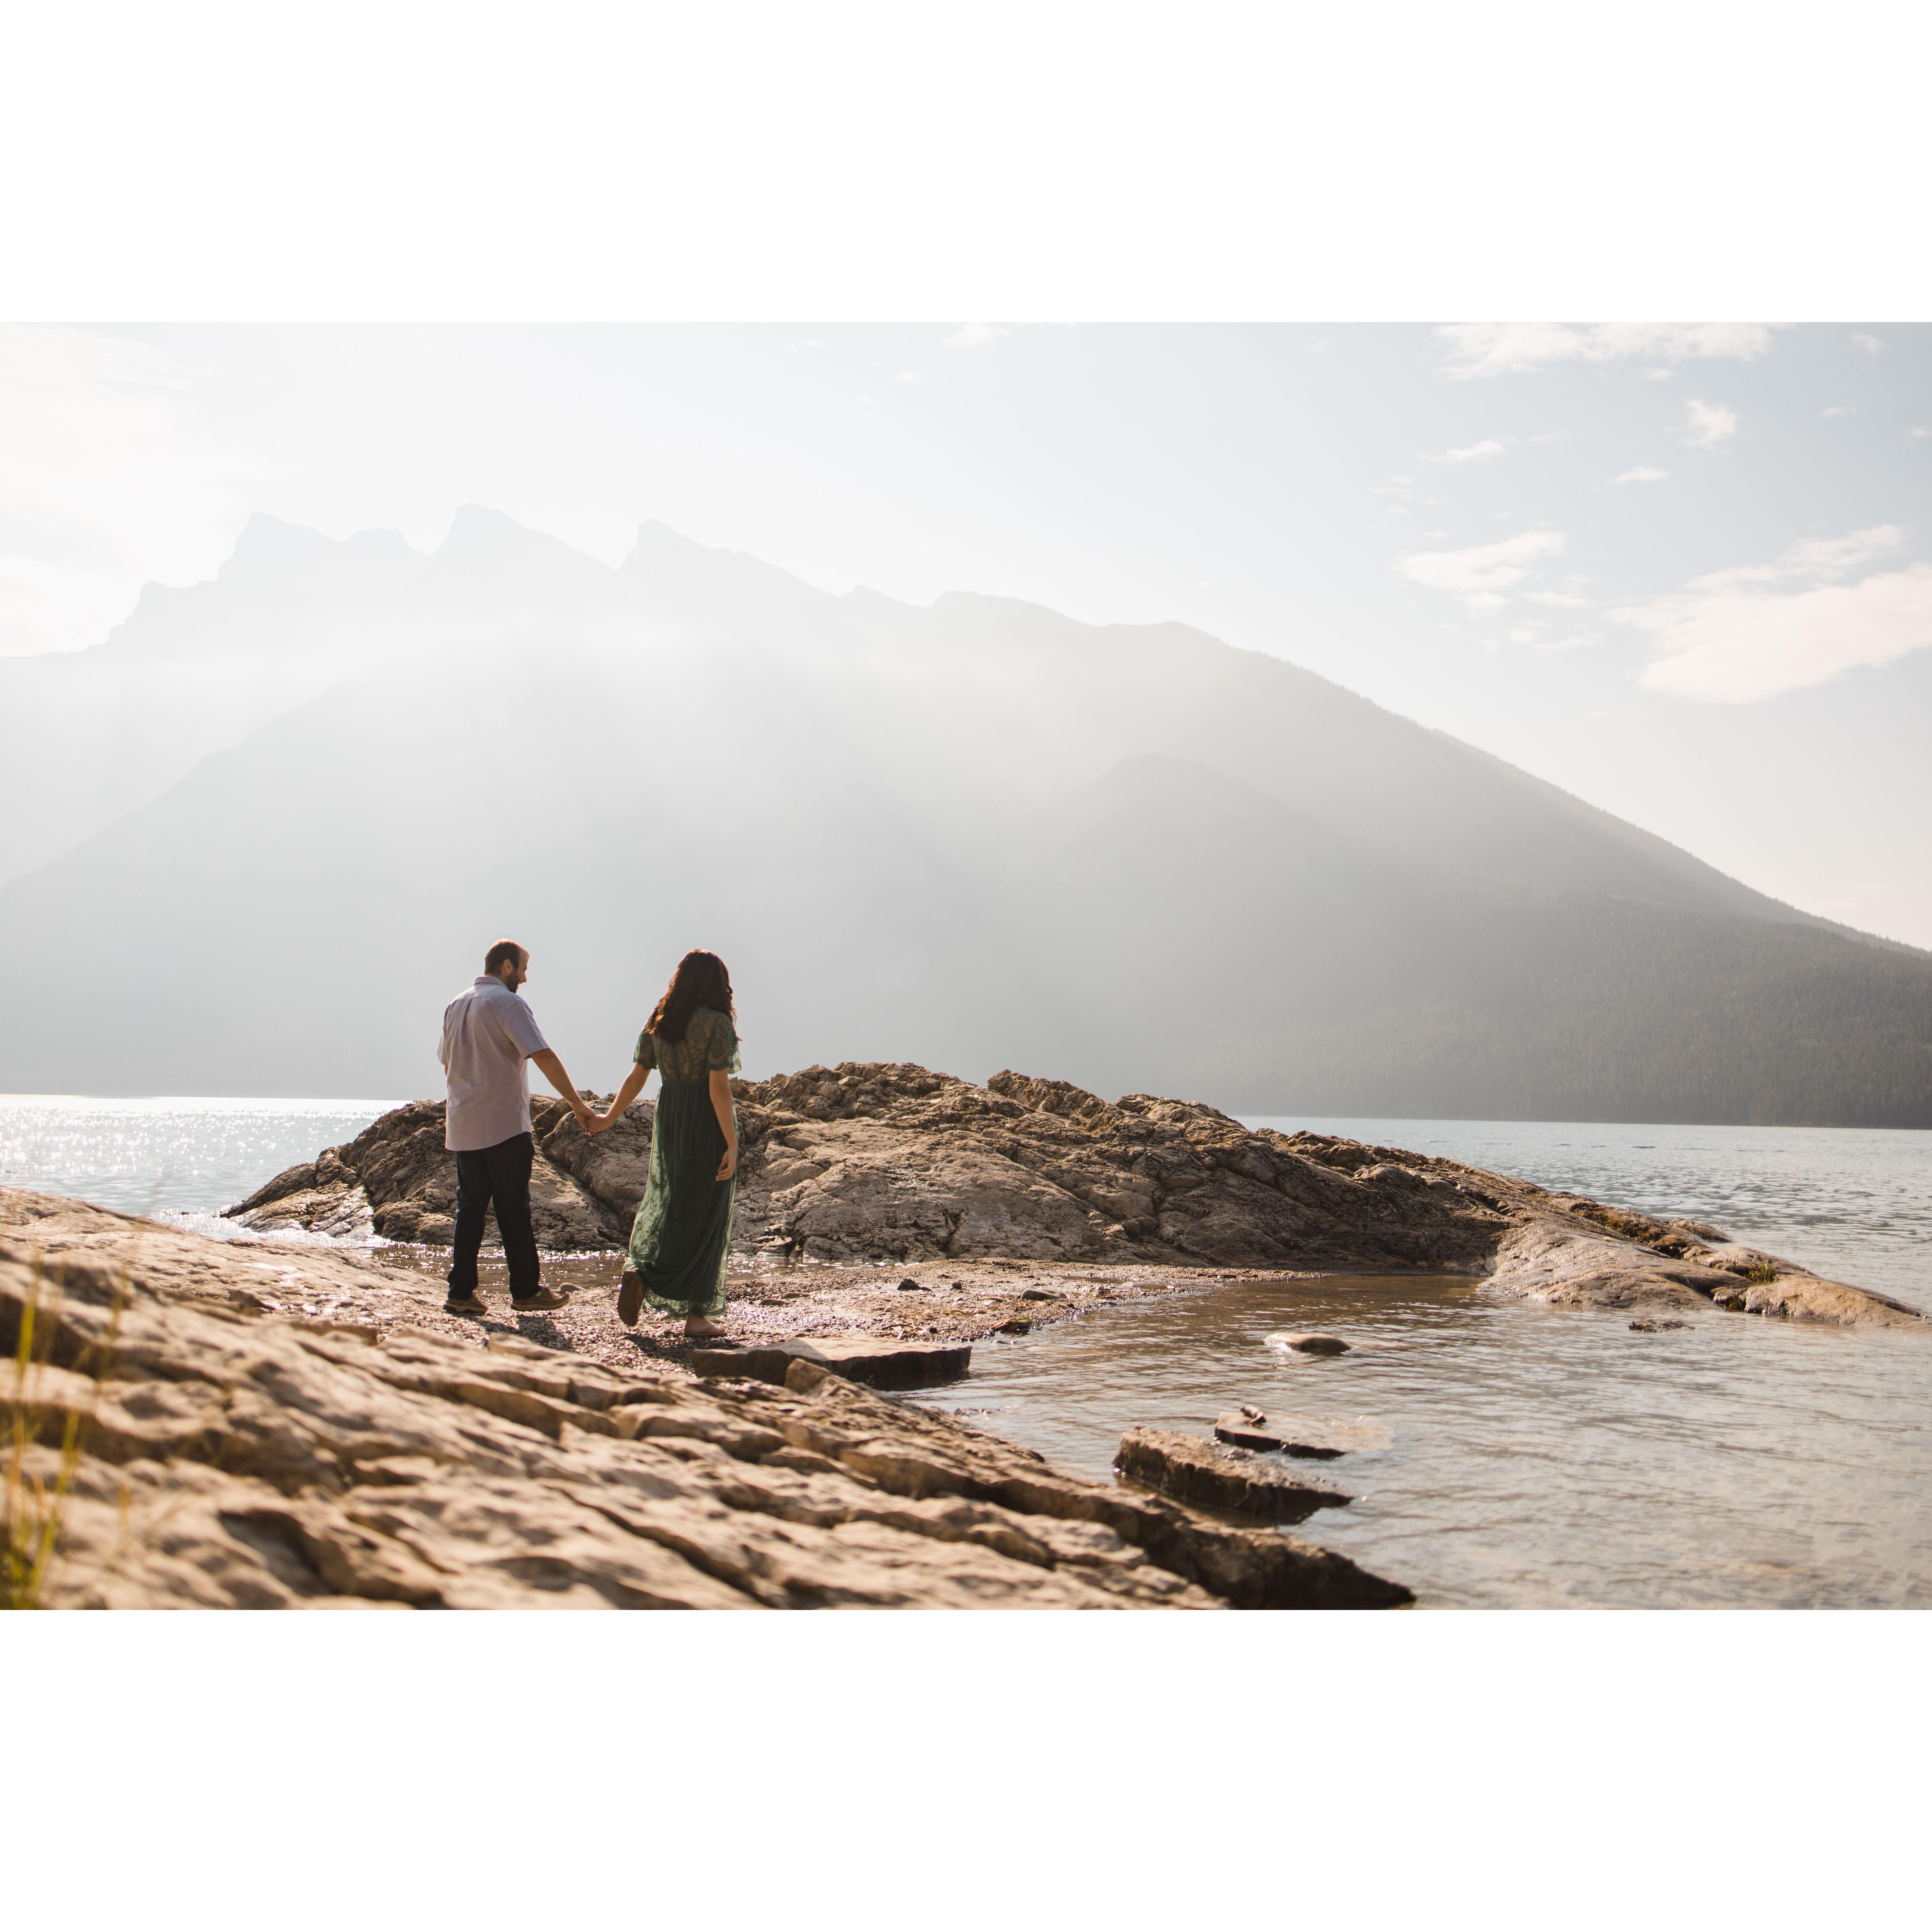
pixel 500 955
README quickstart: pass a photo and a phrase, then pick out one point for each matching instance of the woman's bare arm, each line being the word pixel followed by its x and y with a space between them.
pixel 633 1085
pixel 720 1105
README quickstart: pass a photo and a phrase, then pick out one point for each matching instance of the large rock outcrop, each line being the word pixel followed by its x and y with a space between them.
pixel 892 1162
pixel 221 1455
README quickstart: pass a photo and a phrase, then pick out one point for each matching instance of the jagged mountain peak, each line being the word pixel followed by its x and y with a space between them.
pixel 480 534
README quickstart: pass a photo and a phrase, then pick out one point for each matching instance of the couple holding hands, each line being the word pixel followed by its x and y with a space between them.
pixel 682 1234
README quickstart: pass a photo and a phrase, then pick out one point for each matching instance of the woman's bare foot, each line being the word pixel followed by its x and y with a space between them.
pixel 697 1329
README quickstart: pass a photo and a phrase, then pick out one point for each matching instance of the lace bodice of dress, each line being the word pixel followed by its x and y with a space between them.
pixel 709 1045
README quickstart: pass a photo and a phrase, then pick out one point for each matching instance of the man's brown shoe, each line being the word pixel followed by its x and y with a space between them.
pixel 630 1297
pixel 544 1298
pixel 465 1304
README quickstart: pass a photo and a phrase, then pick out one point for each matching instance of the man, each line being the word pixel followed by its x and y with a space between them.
pixel 489 1037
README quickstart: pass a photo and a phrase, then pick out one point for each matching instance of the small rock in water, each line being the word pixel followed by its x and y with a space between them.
pixel 1657 1327
pixel 877 1361
pixel 1238 1429
pixel 1194 1472
pixel 1249 1410
pixel 1040 1295
pixel 1242 1427
pixel 1309 1345
pixel 1015 1328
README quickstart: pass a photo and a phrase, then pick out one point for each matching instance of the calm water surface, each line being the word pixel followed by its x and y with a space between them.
pixel 185 1160
pixel 1852 1203
pixel 1535 1456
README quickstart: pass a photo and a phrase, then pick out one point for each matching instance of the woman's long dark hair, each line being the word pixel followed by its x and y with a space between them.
pixel 701 980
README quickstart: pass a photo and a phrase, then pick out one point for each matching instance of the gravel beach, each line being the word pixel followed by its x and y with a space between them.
pixel 951 1301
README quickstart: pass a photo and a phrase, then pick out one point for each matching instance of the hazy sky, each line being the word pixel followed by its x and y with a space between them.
pixel 1684 570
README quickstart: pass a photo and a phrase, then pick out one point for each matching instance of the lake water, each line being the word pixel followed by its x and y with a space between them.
pixel 1852 1203
pixel 1533 1456
pixel 180 1159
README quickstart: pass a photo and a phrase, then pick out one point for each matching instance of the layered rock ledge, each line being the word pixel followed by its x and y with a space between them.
pixel 230 1453
pixel 880 1162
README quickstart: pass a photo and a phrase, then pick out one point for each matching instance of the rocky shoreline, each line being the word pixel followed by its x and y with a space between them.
pixel 959 1302
pixel 232 1439
pixel 874 1165
pixel 262 1422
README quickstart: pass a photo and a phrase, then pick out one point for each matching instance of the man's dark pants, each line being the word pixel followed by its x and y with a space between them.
pixel 498 1175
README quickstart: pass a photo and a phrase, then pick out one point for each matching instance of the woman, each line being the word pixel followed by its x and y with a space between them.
pixel 682 1233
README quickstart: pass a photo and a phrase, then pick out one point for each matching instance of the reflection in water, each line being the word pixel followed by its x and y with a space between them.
pixel 1536 1456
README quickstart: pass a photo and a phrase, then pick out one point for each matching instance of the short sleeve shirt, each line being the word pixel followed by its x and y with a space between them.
pixel 488 1036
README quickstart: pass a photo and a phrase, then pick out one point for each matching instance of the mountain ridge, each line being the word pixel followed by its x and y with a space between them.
pixel 971 833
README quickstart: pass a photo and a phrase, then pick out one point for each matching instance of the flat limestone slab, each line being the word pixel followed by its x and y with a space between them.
pixel 1194 1472
pixel 1241 1431
pixel 875 1360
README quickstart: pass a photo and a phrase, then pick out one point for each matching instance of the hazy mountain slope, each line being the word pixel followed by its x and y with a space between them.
pixel 93 735
pixel 1282 967
pixel 973 836
pixel 299 909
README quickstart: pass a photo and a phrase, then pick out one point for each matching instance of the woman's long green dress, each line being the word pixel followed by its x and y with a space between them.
pixel 682 1237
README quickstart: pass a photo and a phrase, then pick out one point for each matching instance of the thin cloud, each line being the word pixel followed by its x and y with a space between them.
pixel 1820 560
pixel 1707 425
pixel 1839 409
pixel 1482 349
pixel 1757 631
pixel 1642 473
pixel 1404 494
pixel 1532 634
pixel 975 335
pixel 1871 344
pixel 1481 575
pixel 1474 452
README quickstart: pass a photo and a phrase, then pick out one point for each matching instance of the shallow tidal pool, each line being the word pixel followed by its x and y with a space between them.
pixel 1537 1456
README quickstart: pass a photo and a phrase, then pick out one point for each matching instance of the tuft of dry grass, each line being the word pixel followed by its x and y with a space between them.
pixel 30 1510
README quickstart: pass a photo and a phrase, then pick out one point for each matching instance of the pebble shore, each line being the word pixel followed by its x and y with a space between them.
pixel 951 1301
